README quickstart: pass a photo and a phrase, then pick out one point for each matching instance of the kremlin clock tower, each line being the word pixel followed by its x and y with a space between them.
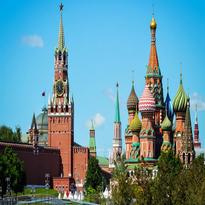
pixel 61 108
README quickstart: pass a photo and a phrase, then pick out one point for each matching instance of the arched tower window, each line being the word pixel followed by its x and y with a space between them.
pixel 189 158
pixel 183 158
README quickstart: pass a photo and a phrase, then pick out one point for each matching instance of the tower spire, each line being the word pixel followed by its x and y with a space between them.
pixel 61 31
pixel 153 58
pixel 187 152
pixel 117 107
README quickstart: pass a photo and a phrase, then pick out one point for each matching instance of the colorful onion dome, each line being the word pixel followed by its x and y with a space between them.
pixel 153 24
pixel 132 102
pixel 168 106
pixel 135 124
pixel 166 124
pixel 180 100
pixel 147 101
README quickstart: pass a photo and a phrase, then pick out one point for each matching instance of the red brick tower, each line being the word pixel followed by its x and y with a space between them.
pixel 153 76
pixel 197 143
pixel 187 152
pixel 179 106
pixel 60 108
pixel 132 107
pixel 147 134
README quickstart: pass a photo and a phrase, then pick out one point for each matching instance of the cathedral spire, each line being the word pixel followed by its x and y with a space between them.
pixel 61 31
pixel 153 58
pixel 33 123
pixel 117 107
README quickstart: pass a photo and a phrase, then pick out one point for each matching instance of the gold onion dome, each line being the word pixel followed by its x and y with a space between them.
pixel 135 124
pixel 132 102
pixel 180 100
pixel 153 24
pixel 166 124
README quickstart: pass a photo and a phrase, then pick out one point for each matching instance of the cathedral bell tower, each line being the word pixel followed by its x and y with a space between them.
pixel 61 107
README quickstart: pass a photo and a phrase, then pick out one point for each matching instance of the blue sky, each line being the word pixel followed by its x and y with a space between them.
pixel 106 39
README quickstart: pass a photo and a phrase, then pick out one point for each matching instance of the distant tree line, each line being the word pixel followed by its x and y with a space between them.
pixel 9 135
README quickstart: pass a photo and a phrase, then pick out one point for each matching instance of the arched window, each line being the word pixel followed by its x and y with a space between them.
pixel 189 158
pixel 183 158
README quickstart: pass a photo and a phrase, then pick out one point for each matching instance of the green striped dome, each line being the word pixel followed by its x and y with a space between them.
pixel 166 124
pixel 135 124
pixel 180 100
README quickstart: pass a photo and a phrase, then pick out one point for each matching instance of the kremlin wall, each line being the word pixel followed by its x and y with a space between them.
pixel 51 147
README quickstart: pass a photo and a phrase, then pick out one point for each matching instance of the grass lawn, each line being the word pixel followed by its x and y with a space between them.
pixel 39 192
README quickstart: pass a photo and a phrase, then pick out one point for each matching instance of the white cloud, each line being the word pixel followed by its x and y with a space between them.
pixel 198 100
pixel 109 93
pixel 98 120
pixel 33 41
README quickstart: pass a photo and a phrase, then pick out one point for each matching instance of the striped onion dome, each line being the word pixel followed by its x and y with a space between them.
pixel 147 101
pixel 180 100
pixel 135 124
pixel 166 124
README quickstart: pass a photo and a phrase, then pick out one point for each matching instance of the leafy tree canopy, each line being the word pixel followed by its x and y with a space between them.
pixel 11 167
pixel 8 135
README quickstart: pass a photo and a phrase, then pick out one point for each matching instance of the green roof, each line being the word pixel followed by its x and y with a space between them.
pixel 180 100
pixel 92 144
pixel 103 160
pixel 117 108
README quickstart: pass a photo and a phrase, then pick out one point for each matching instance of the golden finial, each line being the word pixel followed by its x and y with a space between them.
pixel 153 24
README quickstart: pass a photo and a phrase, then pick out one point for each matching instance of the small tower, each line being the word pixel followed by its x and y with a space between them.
pixel 135 127
pixel 132 103
pixel 117 140
pixel 197 143
pixel 166 128
pixel 147 134
pixel 179 106
pixel 33 133
pixel 187 153
pixel 132 107
pixel 92 144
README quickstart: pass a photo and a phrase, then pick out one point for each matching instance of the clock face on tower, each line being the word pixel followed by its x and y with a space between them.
pixel 59 88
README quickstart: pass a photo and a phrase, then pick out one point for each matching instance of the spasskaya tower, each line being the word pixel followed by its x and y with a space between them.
pixel 61 107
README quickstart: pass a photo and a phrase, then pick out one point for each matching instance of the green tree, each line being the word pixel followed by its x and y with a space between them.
pixel 8 135
pixel 142 183
pixel 122 189
pixel 169 167
pixel 11 166
pixel 94 181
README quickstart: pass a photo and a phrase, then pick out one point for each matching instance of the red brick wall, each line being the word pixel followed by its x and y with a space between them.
pixel 80 163
pixel 36 166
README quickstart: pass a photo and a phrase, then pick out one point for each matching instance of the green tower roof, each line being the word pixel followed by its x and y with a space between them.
pixel 180 100
pixel 61 44
pixel 166 124
pixel 135 124
pixel 117 107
